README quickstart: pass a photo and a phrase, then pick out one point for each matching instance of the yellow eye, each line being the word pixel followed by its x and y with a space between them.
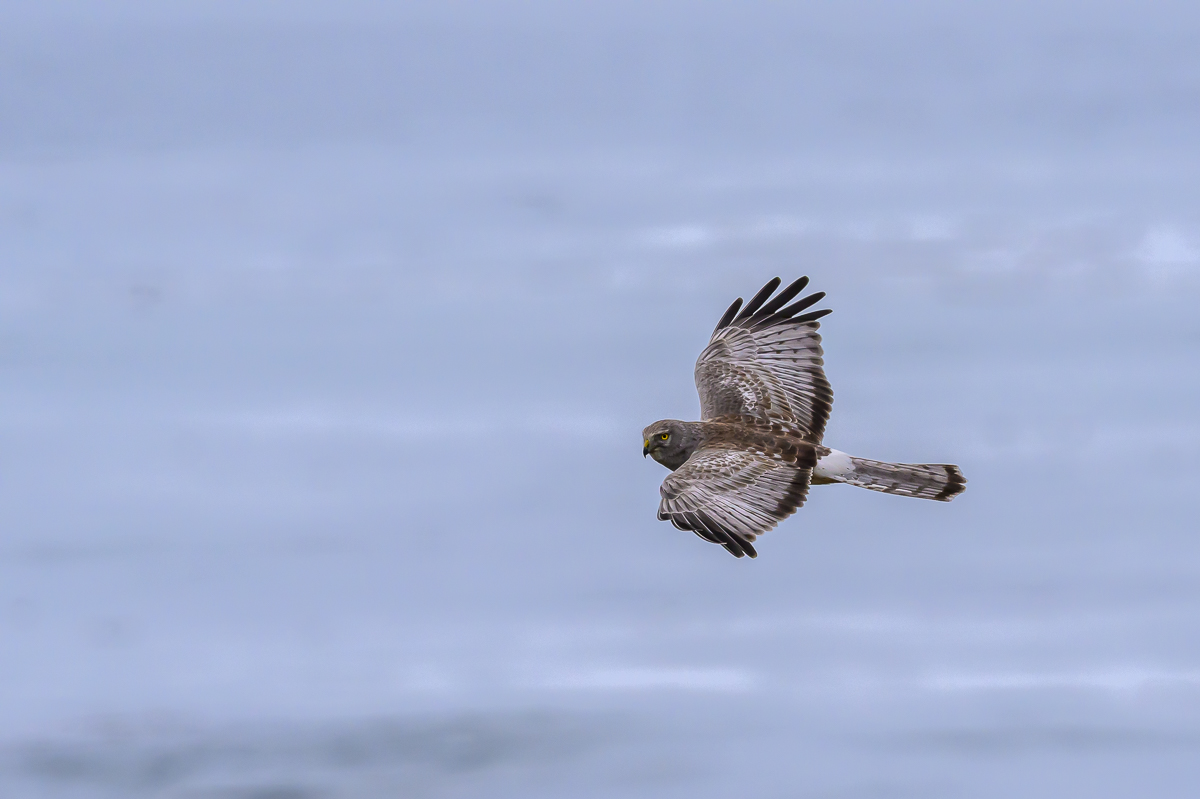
pixel 665 436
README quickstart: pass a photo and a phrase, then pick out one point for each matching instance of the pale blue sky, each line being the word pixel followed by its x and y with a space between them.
pixel 328 333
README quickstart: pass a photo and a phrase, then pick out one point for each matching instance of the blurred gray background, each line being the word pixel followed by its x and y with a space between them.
pixel 328 330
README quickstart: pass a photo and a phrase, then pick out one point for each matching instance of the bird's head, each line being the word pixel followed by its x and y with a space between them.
pixel 670 442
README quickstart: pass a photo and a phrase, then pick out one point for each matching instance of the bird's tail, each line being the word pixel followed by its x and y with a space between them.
pixel 938 481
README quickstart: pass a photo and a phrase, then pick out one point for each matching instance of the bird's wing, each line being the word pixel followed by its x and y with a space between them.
pixel 731 496
pixel 765 363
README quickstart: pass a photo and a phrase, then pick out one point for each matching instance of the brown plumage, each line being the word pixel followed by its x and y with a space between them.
pixel 764 402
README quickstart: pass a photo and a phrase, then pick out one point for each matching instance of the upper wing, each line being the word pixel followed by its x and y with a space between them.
pixel 730 496
pixel 765 362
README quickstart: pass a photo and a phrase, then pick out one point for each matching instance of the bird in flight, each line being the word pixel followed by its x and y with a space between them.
pixel 764 402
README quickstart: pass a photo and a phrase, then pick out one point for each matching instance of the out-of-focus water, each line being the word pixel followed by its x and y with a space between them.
pixel 327 336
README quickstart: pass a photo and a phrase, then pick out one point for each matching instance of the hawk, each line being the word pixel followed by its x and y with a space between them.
pixel 764 401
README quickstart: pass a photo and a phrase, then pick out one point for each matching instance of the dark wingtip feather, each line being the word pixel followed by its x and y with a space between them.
pixel 759 298
pixel 731 542
pixel 709 529
pixel 729 314
pixel 782 298
pixel 799 305
pixel 812 317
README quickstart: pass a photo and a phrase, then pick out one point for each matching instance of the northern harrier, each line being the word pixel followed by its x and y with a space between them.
pixel 764 401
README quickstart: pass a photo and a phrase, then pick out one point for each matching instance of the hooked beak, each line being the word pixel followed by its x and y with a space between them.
pixel 645 447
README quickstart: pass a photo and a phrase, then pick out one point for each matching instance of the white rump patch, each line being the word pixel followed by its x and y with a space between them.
pixel 834 465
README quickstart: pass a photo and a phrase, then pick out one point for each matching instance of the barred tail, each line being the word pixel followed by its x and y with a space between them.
pixel 939 481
